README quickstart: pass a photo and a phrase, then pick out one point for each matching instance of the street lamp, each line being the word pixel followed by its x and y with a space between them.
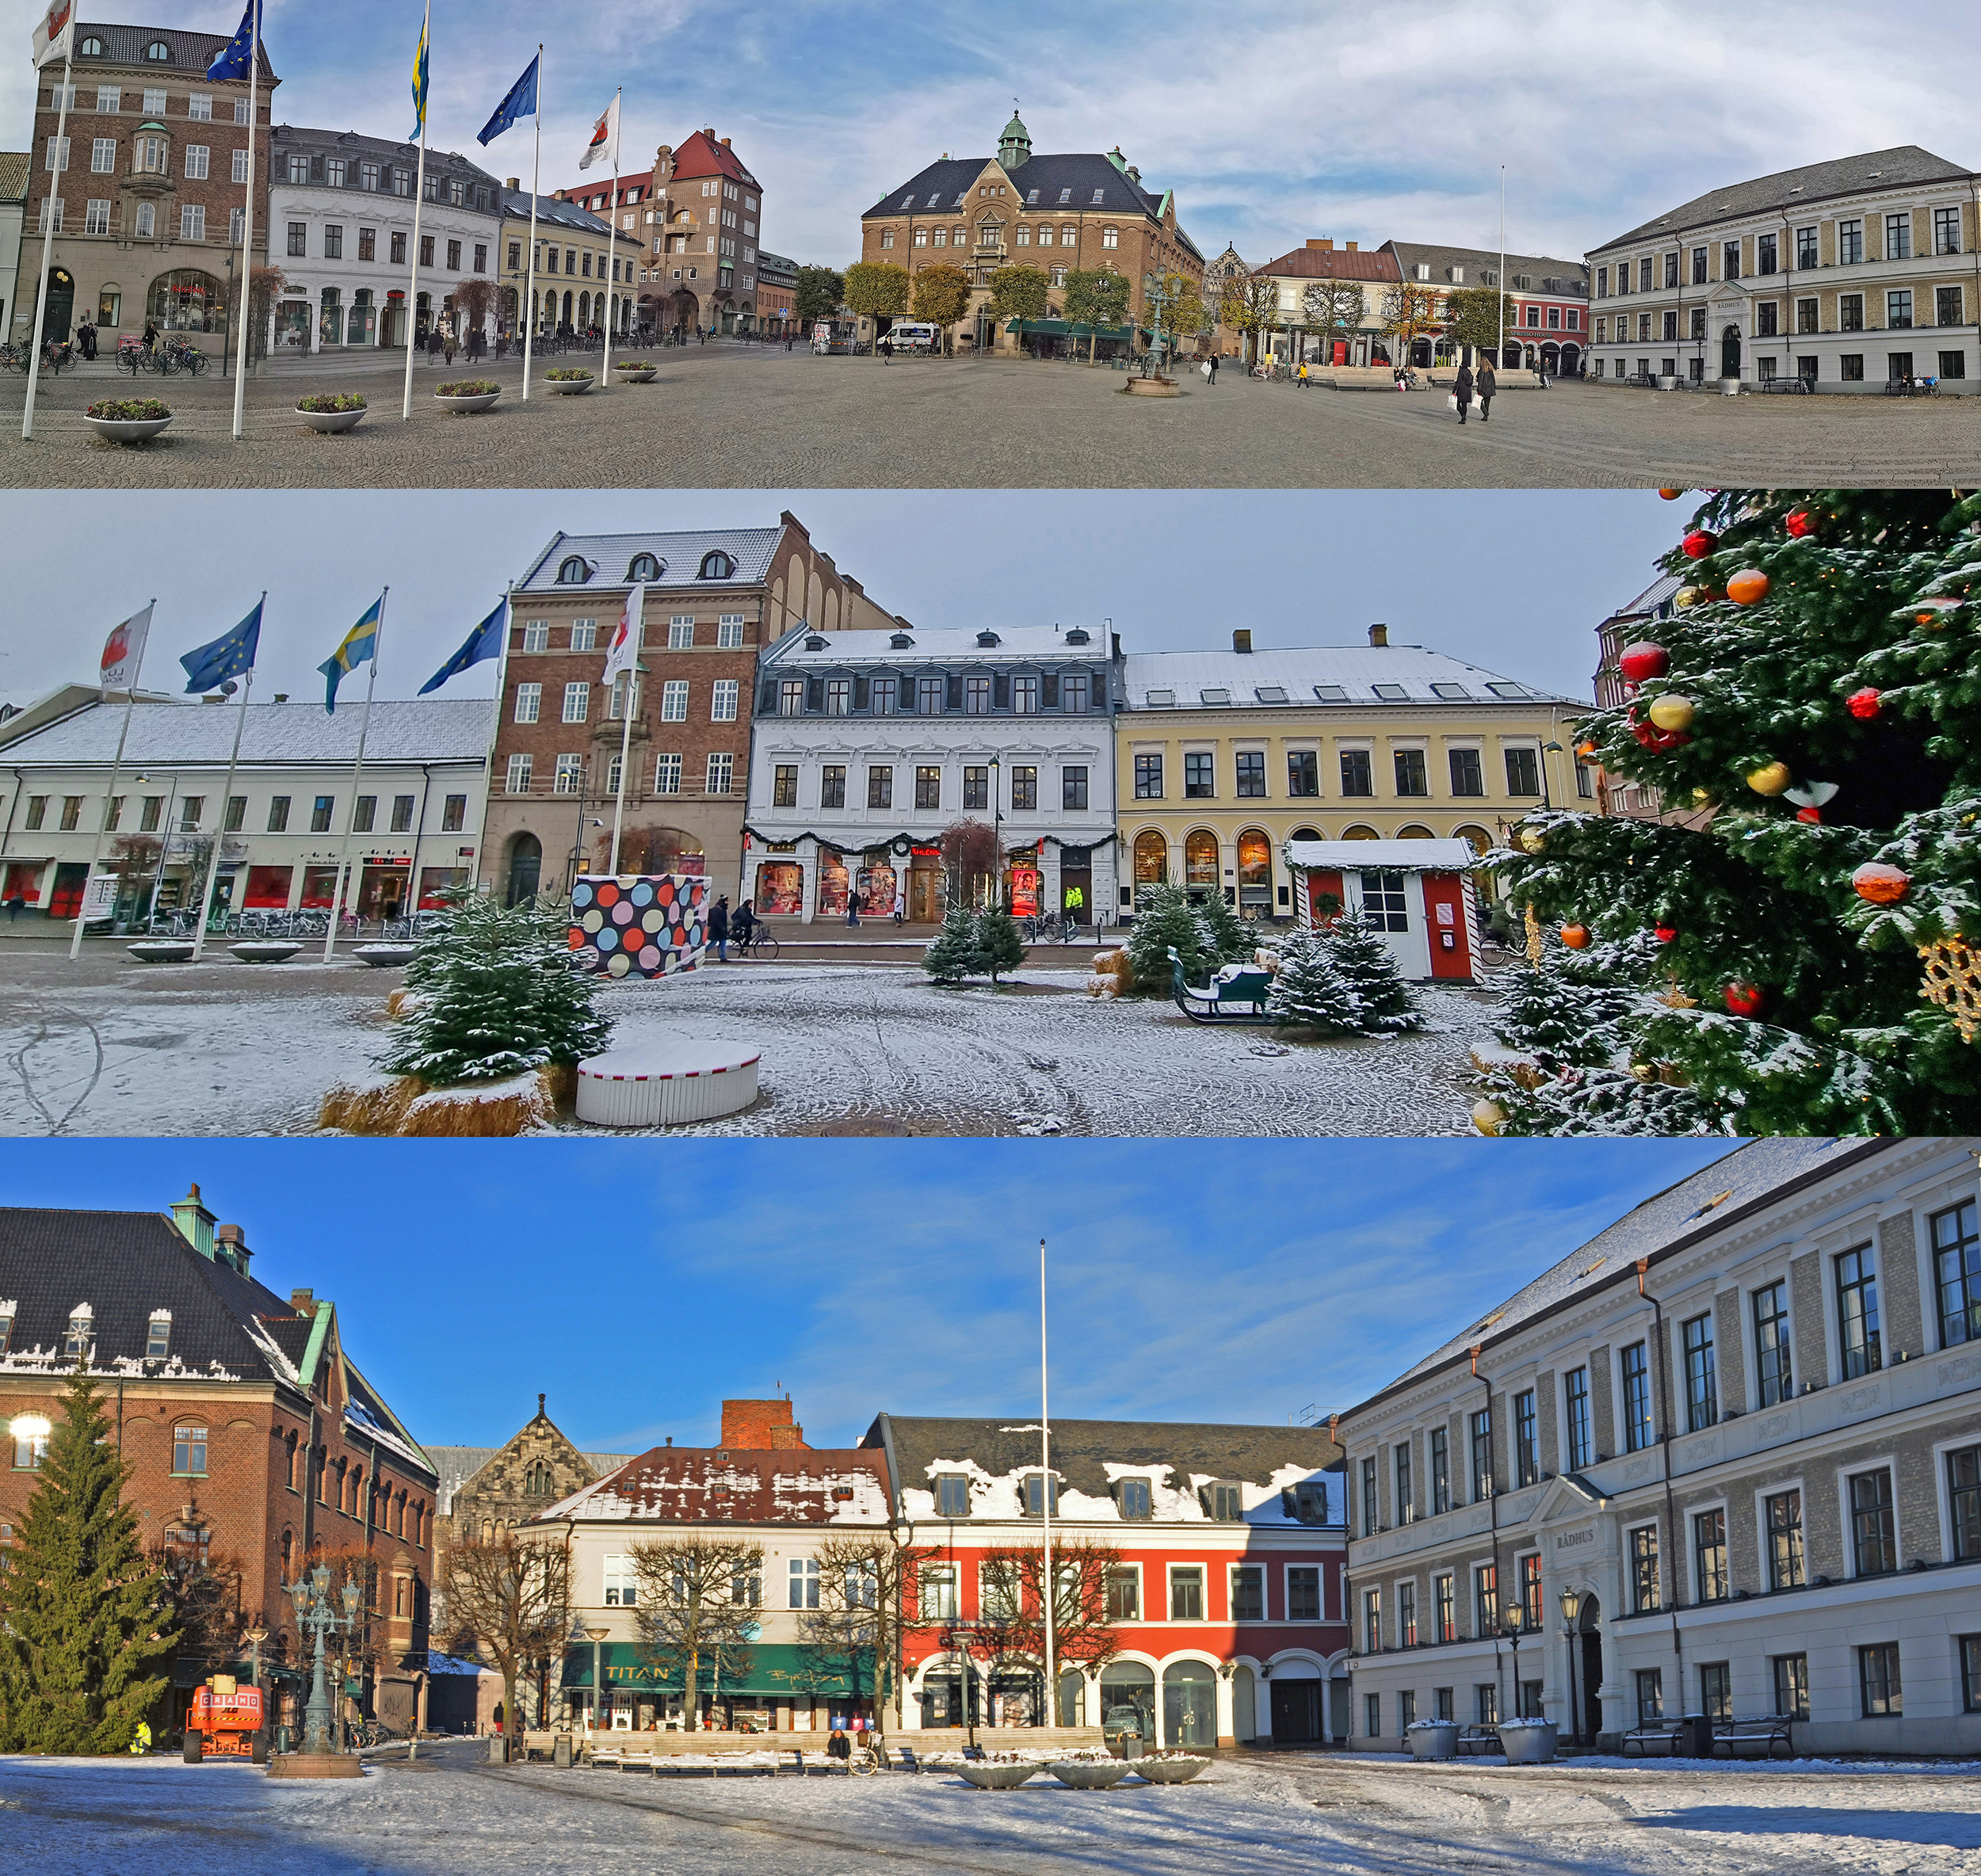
pixel 997 825
pixel 1547 749
pixel 596 1637
pixel 1571 1606
pixel 316 1613
pixel 1516 1617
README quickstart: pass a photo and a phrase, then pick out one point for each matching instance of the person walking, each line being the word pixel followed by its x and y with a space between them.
pixel 900 905
pixel 1486 386
pixel 1303 375
pixel 852 903
pixel 85 339
pixel 886 349
pixel 1463 391
pixel 17 904
pixel 1214 371
pixel 719 928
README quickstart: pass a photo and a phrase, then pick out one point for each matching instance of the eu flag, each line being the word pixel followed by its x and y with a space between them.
pixel 360 642
pixel 485 642
pixel 521 102
pixel 228 656
pixel 237 57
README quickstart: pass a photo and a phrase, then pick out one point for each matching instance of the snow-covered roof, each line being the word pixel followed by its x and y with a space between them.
pixel 610 557
pixel 1336 674
pixel 684 1485
pixel 299 733
pixel 943 645
pixel 1394 856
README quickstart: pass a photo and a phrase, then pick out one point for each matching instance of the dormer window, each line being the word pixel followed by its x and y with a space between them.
pixel 158 52
pixel 900 642
pixel 717 566
pixel 953 1495
pixel 1036 1497
pixel 1225 1502
pixel 1310 1501
pixel 1133 1496
pixel 92 48
pixel 573 572
pixel 1078 636
pixel 76 1342
pixel 158 1342
pixel 6 1328
pixel 987 639
pixel 1066 195
pixel 644 570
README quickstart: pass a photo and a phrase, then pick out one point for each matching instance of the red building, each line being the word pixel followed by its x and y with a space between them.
pixel 1221 1551
pixel 1547 310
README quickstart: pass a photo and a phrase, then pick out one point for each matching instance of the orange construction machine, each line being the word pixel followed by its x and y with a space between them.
pixel 225 1722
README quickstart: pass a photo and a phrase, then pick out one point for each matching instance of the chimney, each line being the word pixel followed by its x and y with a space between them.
pixel 1321 244
pixel 303 1302
pixel 232 1241
pixel 1379 634
pixel 1352 246
pixel 760 1426
pixel 725 142
pixel 513 182
pixel 1242 640
pixel 195 1222
pixel 708 131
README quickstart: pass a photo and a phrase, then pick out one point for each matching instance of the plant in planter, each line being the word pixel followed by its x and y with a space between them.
pixel 127 420
pixel 464 395
pixel 332 412
pixel 637 371
pixel 568 379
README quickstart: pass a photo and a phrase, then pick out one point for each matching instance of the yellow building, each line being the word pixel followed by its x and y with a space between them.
pixel 1224 756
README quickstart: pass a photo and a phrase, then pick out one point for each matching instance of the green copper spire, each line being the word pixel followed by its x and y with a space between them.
pixel 1014 147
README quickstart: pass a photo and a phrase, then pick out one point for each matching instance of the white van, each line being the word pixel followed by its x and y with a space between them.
pixel 914 335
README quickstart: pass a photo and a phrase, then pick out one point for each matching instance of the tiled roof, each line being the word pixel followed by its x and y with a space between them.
pixel 1333 264
pixel 1789 188
pixel 351 142
pixel 421 730
pixel 1234 679
pixel 553 213
pixel 685 1484
pixel 13 175
pixel 943 645
pixel 934 190
pixel 1410 254
pixel 680 555
pixel 702 153
pixel 192 52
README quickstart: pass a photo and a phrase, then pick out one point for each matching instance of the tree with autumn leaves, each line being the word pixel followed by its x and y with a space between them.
pixel 1801 951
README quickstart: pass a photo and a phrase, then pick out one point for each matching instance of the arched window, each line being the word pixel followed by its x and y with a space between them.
pixel 158 52
pixel 93 48
pixel 488 1531
pixel 645 569
pixel 288 1552
pixel 1127 1688
pixel 1358 831
pixel 1151 859
pixel 1200 858
pixel 573 571
pixel 1415 832
pixel 1307 833
pixel 716 565
pixel 1189 1705
pixel 288 1450
pixel 1254 858
pixel 536 1479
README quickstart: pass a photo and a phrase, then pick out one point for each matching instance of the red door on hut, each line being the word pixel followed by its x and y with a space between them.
pixel 1419 894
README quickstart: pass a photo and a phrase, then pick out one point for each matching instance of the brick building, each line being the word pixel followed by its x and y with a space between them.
pixel 1055 213
pixel 713 600
pixel 1546 304
pixel 1637 618
pixel 149 193
pixel 1723 1458
pixel 254 1442
pixel 571 253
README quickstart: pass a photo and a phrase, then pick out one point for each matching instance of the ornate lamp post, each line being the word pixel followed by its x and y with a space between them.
pixel 316 1615
pixel 1157 297
pixel 1516 1618
pixel 597 1637
pixel 1571 1606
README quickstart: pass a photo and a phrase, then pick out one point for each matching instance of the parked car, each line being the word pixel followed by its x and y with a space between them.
pixel 915 335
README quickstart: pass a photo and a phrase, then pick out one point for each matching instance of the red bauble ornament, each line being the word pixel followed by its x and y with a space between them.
pixel 1865 703
pixel 1800 525
pixel 1644 661
pixel 1664 934
pixel 1879 884
pixel 1670 494
pixel 1699 543
pixel 1745 1000
pixel 1809 814
pixel 1575 937
pixel 1749 588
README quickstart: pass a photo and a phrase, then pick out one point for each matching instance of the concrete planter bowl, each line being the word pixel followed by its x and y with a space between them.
pixel 332 423
pixel 1178 1769
pixel 128 429
pixel 469 406
pixel 995 1777
pixel 569 388
pixel 635 374
pixel 265 950
pixel 1527 1742
pixel 1433 1739
pixel 384 957
pixel 1091 1775
pixel 162 950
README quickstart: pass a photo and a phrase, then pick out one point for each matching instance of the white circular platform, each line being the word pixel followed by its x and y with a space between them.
pixel 664 1084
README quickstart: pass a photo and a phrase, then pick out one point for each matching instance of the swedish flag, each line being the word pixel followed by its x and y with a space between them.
pixel 419 85
pixel 360 642
pixel 211 665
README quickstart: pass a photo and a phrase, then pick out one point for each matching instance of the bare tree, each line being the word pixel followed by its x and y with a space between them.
pixel 474 300
pixel 866 1581
pixel 1251 306
pixel 699 1599
pixel 1085 1634
pixel 511 1590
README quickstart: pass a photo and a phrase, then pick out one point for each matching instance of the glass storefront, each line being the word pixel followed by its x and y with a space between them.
pixel 1189 1705
pixel 330 319
pixel 361 327
pixel 780 888
pixel 1200 859
pixel 436 883
pixel 1151 859
pixel 187 300
pixel 292 324
pixel 832 884
pixel 267 887
pixel 1127 1699
pixel 1255 872
pixel 875 884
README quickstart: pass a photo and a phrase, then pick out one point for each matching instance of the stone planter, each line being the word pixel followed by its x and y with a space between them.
pixel 569 386
pixel 162 950
pixel 333 423
pixel 1153 387
pixel 1730 386
pixel 265 950
pixel 1089 1774
pixel 1527 1742
pixel 1178 1769
pixel 1666 381
pixel 644 374
pixel 1433 1739
pixel 126 429
pixel 468 406
pixel 994 1778
pixel 384 957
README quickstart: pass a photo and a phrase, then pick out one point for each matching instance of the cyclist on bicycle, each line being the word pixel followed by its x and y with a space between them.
pixel 742 925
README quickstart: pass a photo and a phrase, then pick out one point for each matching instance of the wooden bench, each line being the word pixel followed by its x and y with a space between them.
pixel 975 1754
pixel 1795 385
pixel 1911 387
pixel 1663 1738
pixel 906 1759
pixel 1765 1730
pixel 1479 1739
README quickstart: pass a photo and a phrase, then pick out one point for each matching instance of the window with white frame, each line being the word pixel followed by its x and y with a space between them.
pixel 680 632
pixel 96 215
pixel 1576 1449
pixel 515 777
pixel 622 1583
pixel 198 159
pixel 584 635
pixel 729 632
pixel 1781 1516
pixel 722 769
pixel 1186 1592
pixel 673 700
pixel 1303 1592
pixel 938 1596
pixel 1248 1592
pixel 192 221
pixel 577 701
pixel 530 702
pixel 1124 1592
pixel 1702 1389
pixel 997 1590
pixel 667 774
pixel 1646 1595
pixel 570 775
pixel 537 634
pixel 801 1583
pixel 1371 1622
pixel 103 156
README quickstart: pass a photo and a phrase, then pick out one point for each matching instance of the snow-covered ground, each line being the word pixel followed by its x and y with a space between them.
pixel 122 1048
pixel 1319 1815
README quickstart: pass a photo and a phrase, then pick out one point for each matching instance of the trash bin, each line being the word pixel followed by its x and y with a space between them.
pixel 497 1749
pixel 1433 1739
pixel 560 1751
pixel 1695 1737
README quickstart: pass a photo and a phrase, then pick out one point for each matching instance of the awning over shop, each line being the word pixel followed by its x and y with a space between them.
pixel 1060 329
pixel 773 1668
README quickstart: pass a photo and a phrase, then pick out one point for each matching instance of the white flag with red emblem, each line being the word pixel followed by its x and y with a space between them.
pixel 605 144
pixel 622 649
pixel 55 35
pixel 123 651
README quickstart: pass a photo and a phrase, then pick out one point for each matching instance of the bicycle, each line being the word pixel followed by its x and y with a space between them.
pixel 183 356
pixel 756 943
pixel 14 357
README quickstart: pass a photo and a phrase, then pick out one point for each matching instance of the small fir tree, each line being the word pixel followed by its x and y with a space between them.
pixel 1389 1005
pixel 1309 991
pixel 953 953
pixel 498 997
pixel 1164 919
pixel 1225 933
pixel 84 1616
pixel 1000 945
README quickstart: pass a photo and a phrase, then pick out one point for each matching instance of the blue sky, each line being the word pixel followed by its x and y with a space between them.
pixel 1516 581
pixel 1272 122
pixel 638 1283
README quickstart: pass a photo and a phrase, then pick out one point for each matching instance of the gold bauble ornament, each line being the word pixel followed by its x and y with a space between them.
pixel 1770 779
pixel 1489 1117
pixel 1953 981
pixel 1671 711
pixel 1533 938
pixel 1686 598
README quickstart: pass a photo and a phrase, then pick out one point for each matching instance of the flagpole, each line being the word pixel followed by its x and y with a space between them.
pixel 631 675
pixel 117 764
pixel 495 724
pixel 47 228
pixel 1501 359
pixel 419 201
pixel 226 795
pixel 529 314
pixel 357 771
pixel 1045 1507
pixel 247 223
pixel 612 270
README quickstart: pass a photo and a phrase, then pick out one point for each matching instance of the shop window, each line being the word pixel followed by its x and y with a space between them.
pixel 1151 859
pixel 1200 859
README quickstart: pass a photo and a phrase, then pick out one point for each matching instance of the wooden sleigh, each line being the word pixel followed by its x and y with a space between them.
pixel 1238 998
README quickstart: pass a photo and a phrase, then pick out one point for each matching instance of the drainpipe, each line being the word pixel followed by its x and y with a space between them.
pixel 1492 1504
pixel 1664 1440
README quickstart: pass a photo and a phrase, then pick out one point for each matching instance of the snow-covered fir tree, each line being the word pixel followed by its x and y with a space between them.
pixel 953 953
pixel 1309 991
pixel 1000 944
pixel 1164 918
pixel 1357 950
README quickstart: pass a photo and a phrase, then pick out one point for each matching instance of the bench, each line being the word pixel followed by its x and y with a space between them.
pixel 1764 1731
pixel 906 1759
pixel 1796 385
pixel 975 1754
pixel 1664 1737
pixel 1479 1739
pixel 1911 387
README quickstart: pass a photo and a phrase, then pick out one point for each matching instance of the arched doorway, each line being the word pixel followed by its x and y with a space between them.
pixel 1127 1698
pixel 525 869
pixel 1571 360
pixel 1245 1705
pixel 1730 353
pixel 1550 359
pixel 1296 1704
pixel 1189 1704
pixel 1255 874
pixel 1151 859
pixel 1421 354
pixel 61 304
pixel 1589 1641
pixel 1200 861
pixel 1509 357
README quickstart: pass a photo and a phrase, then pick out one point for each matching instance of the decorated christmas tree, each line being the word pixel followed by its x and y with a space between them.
pixel 1309 991
pixel 84 1616
pixel 496 996
pixel 953 953
pixel 1389 1004
pixel 1812 710
pixel 999 943
pixel 1164 918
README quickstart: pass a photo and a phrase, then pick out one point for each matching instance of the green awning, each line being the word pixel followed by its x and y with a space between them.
pixel 782 1668
pixel 1064 329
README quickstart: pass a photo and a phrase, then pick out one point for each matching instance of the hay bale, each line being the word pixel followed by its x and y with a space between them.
pixel 1114 966
pixel 482 1110
pixel 1268 959
pixel 374 1104
pixel 560 1083
pixel 1104 986
pixel 403 1003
